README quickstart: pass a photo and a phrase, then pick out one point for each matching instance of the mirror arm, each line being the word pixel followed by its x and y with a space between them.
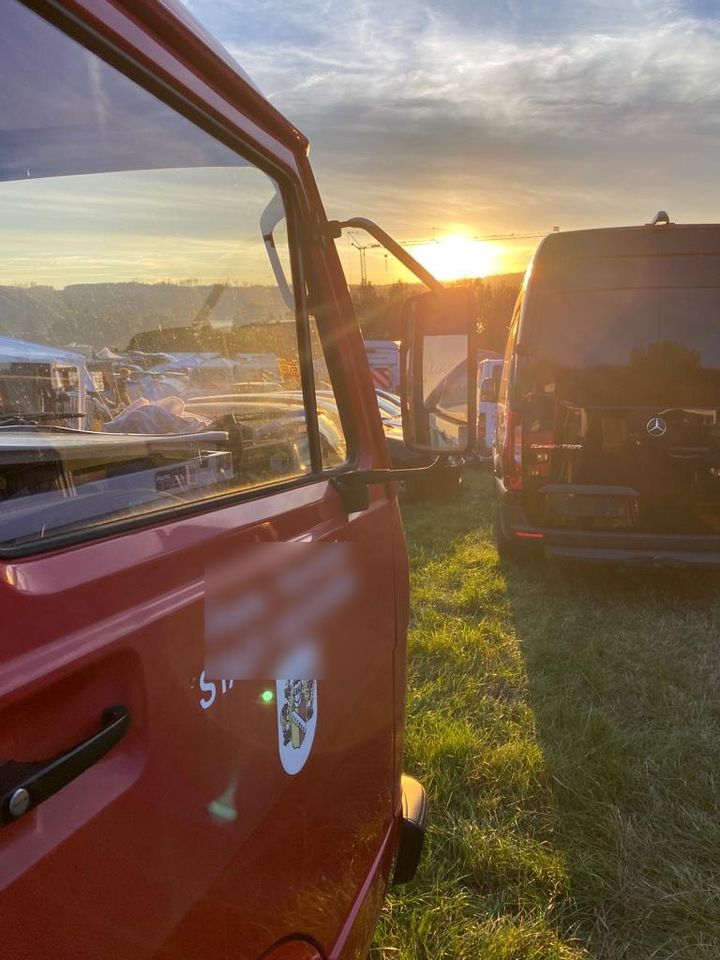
pixel 334 229
pixel 271 216
pixel 353 486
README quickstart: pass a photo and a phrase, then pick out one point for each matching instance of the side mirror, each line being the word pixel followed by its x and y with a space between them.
pixel 489 390
pixel 438 372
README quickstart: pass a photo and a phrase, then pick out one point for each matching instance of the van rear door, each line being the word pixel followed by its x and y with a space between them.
pixel 180 554
pixel 620 385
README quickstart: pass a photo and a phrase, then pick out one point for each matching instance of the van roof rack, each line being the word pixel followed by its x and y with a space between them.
pixel 661 217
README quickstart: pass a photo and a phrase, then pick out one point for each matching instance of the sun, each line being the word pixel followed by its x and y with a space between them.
pixel 458 257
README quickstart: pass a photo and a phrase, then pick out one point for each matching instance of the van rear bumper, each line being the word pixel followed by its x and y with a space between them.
pixel 635 557
pixel 636 549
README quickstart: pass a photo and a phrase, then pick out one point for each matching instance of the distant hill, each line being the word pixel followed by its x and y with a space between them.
pixel 110 314
pixel 494 280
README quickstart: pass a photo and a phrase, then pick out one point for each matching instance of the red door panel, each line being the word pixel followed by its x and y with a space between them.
pixel 190 839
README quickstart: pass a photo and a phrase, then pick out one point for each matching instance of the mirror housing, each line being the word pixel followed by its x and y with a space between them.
pixel 438 372
pixel 489 390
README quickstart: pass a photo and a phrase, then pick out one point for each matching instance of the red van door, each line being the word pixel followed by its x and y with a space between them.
pixel 197 706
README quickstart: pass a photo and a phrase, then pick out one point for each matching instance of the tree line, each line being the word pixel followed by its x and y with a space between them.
pixel 379 308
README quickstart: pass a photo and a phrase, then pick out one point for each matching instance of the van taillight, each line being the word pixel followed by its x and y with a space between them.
pixel 512 452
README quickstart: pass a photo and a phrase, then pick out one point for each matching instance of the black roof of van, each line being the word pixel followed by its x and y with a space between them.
pixel 669 239
pixel 667 255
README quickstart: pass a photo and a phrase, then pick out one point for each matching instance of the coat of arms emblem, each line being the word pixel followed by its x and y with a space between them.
pixel 297 717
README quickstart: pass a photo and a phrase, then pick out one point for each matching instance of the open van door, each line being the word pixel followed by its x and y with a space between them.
pixel 201 674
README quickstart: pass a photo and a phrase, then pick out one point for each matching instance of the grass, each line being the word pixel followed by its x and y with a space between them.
pixel 566 725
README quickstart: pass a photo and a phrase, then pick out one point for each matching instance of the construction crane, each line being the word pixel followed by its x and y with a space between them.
pixel 515 236
pixel 362 248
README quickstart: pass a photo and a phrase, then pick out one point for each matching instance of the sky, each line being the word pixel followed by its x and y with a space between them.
pixel 462 118
pixel 102 182
pixel 443 120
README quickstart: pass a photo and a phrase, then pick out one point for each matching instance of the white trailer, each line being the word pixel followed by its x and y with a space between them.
pixel 489 370
pixel 384 359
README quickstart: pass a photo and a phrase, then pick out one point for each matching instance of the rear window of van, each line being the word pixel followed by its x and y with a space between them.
pixel 602 325
pixel 590 328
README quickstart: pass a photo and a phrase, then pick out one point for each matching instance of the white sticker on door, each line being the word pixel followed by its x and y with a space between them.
pixel 297 719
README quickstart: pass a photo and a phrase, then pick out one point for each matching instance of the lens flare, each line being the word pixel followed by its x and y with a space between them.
pixel 458 257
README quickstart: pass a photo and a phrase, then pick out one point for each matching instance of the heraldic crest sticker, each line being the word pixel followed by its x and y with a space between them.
pixel 297 718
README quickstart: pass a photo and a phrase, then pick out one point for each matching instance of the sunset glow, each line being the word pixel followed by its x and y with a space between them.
pixel 491 118
pixel 458 257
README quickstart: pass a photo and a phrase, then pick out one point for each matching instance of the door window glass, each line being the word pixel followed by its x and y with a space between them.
pixel 509 348
pixel 148 336
pixel 333 445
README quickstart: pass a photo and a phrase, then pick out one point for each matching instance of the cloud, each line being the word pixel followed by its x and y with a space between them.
pixel 500 115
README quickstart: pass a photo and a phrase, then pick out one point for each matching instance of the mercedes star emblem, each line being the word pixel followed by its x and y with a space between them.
pixel 656 427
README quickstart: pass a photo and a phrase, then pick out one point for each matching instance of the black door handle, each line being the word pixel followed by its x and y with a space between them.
pixel 25 785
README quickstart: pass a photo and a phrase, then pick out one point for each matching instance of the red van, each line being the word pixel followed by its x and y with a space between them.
pixel 203 575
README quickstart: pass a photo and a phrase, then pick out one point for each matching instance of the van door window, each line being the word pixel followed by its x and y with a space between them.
pixel 509 350
pixel 148 332
pixel 333 445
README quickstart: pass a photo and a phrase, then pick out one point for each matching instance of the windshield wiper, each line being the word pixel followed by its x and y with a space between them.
pixel 33 419
pixel 30 422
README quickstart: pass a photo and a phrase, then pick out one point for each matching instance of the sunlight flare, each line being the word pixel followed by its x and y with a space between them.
pixel 458 257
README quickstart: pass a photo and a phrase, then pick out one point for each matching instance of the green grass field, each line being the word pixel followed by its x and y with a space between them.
pixel 567 728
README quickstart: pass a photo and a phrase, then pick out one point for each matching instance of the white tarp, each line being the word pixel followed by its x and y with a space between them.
pixel 24 351
pixel 166 416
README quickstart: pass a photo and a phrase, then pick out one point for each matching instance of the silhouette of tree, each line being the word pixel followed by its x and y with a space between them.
pixel 379 309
